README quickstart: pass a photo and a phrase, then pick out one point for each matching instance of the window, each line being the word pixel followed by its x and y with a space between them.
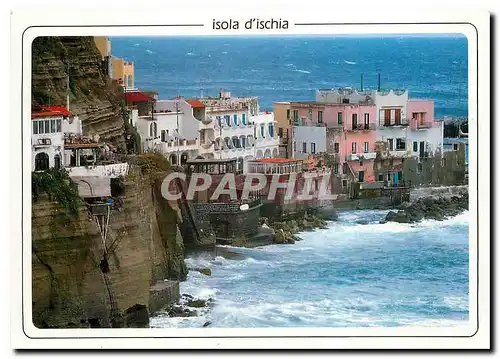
pixel 243 118
pixel 52 126
pixel 163 136
pixel 391 144
pixel 400 144
pixel 35 127
pixel 271 130
pixel 310 114
pixel 354 147
pixel 235 120
pixel 280 132
pixel 152 130
pixel 387 117
pixel 361 163
pixel 41 161
pixel 339 118
pixel 336 168
pixel 40 127
pixel 397 116
pixel 304 147
pixel 336 147
pixel 367 119
pixel 295 115
pixel 47 126
pixel 415 146
pixel 345 100
pixel 366 147
pixel 262 131
pixel 58 126
pixel 320 116
pixel 354 120
pixel 455 147
pixel 228 119
pixel 313 148
pixel 288 114
pixel 380 177
pixel 419 168
pixel 57 161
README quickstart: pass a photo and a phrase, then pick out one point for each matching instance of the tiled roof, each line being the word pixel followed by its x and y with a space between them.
pixel 136 96
pixel 49 111
pixel 195 103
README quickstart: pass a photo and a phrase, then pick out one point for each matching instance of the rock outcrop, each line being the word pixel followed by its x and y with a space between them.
pixel 437 208
pixel 97 99
pixel 76 282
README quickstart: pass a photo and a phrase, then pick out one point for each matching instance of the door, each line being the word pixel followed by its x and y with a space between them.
pixel 422 149
pixel 387 117
pixel 361 176
pixel 397 116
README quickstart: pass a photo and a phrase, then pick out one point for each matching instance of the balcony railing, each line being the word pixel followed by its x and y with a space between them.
pixel 424 125
pixel 393 122
pixel 361 127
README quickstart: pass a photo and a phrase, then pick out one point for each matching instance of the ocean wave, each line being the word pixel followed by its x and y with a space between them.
pixel 303 71
pixel 192 54
pixel 350 62
pixel 149 51
pixel 457 302
pixel 288 65
pixel 224 52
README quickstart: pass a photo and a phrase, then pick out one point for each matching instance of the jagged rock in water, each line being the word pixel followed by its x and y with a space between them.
pixel 197 303
pixel 137 316
pixel 205 271
pixel 279 236
pixel 180 311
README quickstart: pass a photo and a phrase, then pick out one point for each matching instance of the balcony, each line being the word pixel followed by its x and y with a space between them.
pixel 361 127
pixel 394 123
pixel 361 156
pixel 424 125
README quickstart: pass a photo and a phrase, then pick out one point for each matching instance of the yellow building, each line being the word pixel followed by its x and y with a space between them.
pixel 123 72
pixel 103 45
pixel 283 124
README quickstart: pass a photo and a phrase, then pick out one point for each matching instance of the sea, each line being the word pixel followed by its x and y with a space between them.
pixel 357 272
pixel 291 68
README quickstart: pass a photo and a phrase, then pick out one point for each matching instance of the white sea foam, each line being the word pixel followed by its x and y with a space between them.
pixel 350 62
pixel 149 51
pixel 191 54
pixel 303 71
pixel 288 65
pixel 224 52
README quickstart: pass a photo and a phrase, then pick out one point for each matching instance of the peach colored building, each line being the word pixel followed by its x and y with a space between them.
pixel 123 72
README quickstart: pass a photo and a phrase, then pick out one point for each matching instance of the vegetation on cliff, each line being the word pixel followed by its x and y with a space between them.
pixel 59 187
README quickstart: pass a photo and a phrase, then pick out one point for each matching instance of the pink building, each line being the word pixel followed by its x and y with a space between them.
pixel 351 135
pixel 426 134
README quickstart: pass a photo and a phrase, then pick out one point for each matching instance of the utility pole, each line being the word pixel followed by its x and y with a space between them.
pixel 176 104
pixel 67 87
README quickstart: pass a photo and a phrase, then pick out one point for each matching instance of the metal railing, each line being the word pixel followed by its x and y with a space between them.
pixel 393 122
pixel 361 127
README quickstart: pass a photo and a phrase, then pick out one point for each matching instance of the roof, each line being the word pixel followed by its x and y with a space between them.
pixel 49 111
pixel 276 160
pixel 195 104
pixel 137 96
pixel 209 160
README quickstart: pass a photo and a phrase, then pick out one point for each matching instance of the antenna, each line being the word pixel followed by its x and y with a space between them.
pixel 67 87
pixel 361 82
pixel 378 87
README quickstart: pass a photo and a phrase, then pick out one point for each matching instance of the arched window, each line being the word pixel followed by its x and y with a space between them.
pixel 153 130
pixel 125 81
pixel 275 152
pixel 244 118
pixel 267 154
pixel 130 81
pixel 243 141
pixel 173 159
pixel 235 119
pixel 41 161
pixel 184 158
pixel 271 130
pixel 236 142
pixel 259 154
pixel 163 136
pixel 57 161
pixel 262 134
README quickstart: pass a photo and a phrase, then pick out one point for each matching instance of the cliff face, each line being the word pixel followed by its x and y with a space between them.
pixel 93 95
pixel 70 285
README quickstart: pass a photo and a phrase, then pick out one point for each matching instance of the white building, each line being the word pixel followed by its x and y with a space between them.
pixel 49 124
pixel 309 140
pixel 266 138
pixel 172 129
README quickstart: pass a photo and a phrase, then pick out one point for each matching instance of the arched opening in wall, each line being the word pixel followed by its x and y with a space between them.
pixel 173 159
pixel 57 161
pixel 130 81
pixel 267 154
pixel 259 154
pixel 250 140
pixel 153 129
pixel 184 158
pixel 243 141
pixel 236 141
pixel 240 164
pixel 125 81
pixel 41 161
pixel 275 152
pixel 228 143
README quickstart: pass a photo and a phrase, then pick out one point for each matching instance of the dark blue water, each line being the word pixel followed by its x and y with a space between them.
pixel 356 273
pixel 292 68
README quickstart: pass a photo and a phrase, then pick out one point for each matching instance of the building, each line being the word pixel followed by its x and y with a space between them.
pixel 171 129
pixel 103 44
pixel 228 121
pixel 49 125
pixel 123 72
pixel 426 134
pixel 266 139
pixel 282 117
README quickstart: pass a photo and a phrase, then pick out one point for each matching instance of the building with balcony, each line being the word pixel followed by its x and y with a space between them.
pixel 172 128
pixel 282 116
pixel 426 134
pixel 266 138
pixel 123 72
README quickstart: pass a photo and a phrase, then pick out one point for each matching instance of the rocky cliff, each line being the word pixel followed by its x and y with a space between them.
pixel 73 286
pixel 93 95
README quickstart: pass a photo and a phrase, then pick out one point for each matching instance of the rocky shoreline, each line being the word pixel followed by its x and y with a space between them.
pixel 437 208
